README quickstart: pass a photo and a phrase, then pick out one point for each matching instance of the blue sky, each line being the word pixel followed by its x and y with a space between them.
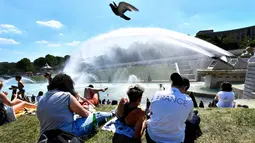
pixel 34 28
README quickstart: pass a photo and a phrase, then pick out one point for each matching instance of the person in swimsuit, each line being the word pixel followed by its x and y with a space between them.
pixel 92 94
pixel 21 88
pixel 16 104
pixel 129 113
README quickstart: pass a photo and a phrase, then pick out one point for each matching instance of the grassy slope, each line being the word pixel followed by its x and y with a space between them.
pixel 218 126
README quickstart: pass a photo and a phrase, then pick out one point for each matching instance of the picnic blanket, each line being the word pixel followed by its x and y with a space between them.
pixel 116 126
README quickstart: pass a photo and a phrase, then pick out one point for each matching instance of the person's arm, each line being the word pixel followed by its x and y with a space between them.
pixel 217 97
pixel 5 99
pixel 120 109
pixel 76 107
pixel 97 89
pixel 191 111
pixel 140 125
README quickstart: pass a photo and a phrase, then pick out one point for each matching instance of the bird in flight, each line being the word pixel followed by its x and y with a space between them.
pixel 120 9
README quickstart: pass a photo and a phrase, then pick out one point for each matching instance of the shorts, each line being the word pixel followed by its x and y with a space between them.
pixel 22 91
pixel 10 114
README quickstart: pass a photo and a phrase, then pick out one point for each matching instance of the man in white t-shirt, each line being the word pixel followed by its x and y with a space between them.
pixel 169 111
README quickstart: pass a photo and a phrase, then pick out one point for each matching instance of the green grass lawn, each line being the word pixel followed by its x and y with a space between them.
pixel 218 126
pixel 38 78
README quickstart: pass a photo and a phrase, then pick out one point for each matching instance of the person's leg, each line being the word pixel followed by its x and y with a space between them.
pixel 84 126
pixel 191 129
pixel 25 104
pixel 18 107
pixel 102 117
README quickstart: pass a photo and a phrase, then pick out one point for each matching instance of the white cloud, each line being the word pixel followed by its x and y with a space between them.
pixel 42 42
pixel 54 45
pixel 61 34
pixel 186 23
pixel 74 43
pixel 51 23
pixel 19 53
pixel 7 28
pixel 8 41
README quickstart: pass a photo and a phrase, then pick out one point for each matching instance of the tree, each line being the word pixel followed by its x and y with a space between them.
pixel 25 65
pixel 66 58
pixel 252 43
pixel 51 60
pixel 149 78
pixel 39 62
pixel 109 79
pixel 60 60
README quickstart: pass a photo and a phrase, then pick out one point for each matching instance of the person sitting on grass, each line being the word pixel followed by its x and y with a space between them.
pixel 169 110
pixel 16 104
pixel 130 114
pixel 38 97
pixel 225 98
pixel 57 109
pixel 92 94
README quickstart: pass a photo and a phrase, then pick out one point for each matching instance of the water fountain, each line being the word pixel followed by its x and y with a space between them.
pixel 130 47
pixel 133 79
pixel 14 82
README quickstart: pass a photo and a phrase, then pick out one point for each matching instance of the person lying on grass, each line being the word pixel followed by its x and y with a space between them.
pixel 16 104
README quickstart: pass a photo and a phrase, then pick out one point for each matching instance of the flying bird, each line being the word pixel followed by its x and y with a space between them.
pixel 122 8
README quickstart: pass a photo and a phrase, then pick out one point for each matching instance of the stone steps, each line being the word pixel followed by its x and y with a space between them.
pixel 249 87
pixel 189 76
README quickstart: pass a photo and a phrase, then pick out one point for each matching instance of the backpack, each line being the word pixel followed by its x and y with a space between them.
pixel 3 116
pixel 58 136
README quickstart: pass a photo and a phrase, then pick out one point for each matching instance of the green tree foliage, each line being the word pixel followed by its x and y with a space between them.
pixel 67 57
pixel 51 60
pixel 226 42
pixel 59 61
pixel 25 65
pixel 252 43
pixel 39 62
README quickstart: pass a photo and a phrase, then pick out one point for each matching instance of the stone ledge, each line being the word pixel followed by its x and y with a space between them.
pixel 248 102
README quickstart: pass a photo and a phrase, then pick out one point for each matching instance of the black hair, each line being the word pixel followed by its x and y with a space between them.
pixel 177 80
pixel 226 86
pixel 18 77
pixel 40 93
pixel 91 86
pixel 135 92
pixel 62 82
pixel 186 83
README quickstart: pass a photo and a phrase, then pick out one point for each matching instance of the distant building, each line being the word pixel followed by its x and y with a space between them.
pixel 237 34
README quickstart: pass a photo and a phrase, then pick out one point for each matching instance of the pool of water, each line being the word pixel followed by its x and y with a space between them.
pixel 117 90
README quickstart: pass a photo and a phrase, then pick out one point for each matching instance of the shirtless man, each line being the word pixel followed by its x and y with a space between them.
pixel 92 94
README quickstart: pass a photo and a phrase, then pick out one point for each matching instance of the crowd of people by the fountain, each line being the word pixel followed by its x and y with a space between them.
pixel 62 98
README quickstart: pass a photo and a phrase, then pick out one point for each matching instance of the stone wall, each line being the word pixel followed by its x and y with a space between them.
pixel 249 87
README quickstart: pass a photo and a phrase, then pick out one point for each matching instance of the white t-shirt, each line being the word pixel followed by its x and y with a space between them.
pixel 225 99
pixel 170 110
